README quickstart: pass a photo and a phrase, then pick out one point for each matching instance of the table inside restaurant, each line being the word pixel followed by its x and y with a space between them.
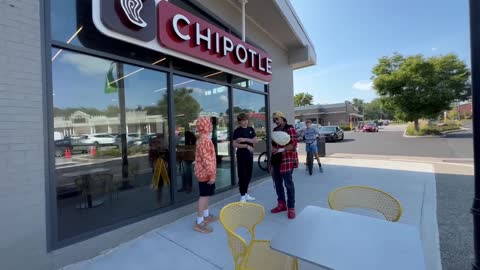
pixel 345 241
pixel 86 175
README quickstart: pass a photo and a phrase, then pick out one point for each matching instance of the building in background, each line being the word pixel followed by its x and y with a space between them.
pixel 463 110
pixel 342 114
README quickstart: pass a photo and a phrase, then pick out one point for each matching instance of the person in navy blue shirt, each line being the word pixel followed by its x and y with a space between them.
pixel 244 140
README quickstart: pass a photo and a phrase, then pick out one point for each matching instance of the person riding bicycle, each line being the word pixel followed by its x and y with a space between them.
pixel 310 135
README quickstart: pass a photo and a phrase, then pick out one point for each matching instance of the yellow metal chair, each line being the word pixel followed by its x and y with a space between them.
pixel 256 254
pixel 366 197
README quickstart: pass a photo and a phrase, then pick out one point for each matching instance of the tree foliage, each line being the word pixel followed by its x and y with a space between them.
pixel 359 103
pixel 416 87
pixel 186 107
pixel 302 99
pixel 376 109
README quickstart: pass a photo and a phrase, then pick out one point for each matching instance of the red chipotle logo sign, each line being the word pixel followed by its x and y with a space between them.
pixel 162 26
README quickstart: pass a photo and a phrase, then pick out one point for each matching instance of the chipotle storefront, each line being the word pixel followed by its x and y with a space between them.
pixel 125 81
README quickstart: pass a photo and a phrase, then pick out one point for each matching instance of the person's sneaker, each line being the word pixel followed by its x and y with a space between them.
pixel 281 206
pixel 210 219
pixel 202 227
pixel 291 213
pixel 243 199
pixel 249 198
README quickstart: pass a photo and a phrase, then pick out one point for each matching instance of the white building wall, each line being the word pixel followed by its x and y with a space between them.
pixel 22 127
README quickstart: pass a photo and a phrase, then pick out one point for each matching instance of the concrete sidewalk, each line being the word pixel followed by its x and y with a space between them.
pixel 177 246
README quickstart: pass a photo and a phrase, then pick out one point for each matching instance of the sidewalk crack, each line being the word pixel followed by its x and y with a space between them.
pixel 190 251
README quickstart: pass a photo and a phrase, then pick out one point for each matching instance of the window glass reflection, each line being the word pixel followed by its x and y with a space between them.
pixel 195 98
pixel 71 23
pixel 254 105
pixel 243 82
pixel 111 142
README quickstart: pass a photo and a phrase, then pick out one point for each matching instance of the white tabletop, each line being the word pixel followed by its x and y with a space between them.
pixel 86 172
pixel 344 241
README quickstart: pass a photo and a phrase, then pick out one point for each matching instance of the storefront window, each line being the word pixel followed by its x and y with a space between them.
pixel 255 107
pixel 197 69
pixel 242 82
pixel 71 23
pixel 111 142
pixel 195 98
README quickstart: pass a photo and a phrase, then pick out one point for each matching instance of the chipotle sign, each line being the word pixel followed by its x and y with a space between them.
pixel 164 27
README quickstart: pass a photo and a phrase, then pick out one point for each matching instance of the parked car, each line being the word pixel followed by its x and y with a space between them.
pixel 99 139
pixel 147 138
pixel 74 145
pixel 332 133
pixel 132 139
pixel 222 135
pixel 370 127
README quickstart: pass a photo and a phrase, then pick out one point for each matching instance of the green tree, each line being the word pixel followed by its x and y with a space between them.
pixel 359 103
pixel 376 109
pixel 417 87
pixel 302 99
pixel 237 110
pixel 186 107
pixel 112 111
pixel 453 114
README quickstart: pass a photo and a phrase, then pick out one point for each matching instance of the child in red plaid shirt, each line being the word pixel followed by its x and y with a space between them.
pixel 284 159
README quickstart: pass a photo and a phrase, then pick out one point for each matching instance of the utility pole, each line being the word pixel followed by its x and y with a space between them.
pixel 243 2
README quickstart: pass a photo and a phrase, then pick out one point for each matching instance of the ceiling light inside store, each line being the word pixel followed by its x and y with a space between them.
pixel 68 42
pixel 213 74
pixel 136 71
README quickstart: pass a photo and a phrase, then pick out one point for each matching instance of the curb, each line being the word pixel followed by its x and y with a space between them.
pixel 442 161
pixel 455 130
pixel 434 136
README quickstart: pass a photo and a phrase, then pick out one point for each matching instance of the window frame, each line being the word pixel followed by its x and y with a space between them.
pixel 53 243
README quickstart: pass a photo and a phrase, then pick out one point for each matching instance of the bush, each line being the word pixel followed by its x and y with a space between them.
pixel 116 152
pixel 397 122
pixel 345 128
pixel 427 128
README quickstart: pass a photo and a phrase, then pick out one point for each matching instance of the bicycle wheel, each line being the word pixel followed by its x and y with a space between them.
pixel 310 162
pixel 263 161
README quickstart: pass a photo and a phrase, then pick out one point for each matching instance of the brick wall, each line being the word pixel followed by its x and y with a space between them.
pixel 22 177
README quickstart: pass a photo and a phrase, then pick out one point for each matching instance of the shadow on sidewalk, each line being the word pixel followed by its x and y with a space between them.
pixel 177 246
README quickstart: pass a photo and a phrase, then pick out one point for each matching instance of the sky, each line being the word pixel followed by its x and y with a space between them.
pixel 349 37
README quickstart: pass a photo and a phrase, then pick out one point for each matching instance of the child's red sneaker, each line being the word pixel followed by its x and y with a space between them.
pixel 291 213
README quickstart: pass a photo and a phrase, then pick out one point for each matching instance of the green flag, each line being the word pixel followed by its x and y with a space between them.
pixel 110 85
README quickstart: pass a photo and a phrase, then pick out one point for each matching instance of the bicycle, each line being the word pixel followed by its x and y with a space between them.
pixel 310 155
pixel 263 159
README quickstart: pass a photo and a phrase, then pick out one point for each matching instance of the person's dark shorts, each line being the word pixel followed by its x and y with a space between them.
pixel 206 189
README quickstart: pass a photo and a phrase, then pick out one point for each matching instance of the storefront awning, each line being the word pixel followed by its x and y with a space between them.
pixel 280 22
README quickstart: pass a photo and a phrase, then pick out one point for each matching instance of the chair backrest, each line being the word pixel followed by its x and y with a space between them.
pixel 366 197
pixel 235 215
pixel 81 184
pixel 98 183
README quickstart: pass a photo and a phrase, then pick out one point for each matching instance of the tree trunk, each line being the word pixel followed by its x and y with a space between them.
pixel 416 125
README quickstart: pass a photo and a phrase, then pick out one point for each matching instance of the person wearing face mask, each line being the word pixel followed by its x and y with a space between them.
pixel 283 161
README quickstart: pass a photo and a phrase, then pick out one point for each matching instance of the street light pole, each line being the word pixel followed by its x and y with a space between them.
pixel 475 62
